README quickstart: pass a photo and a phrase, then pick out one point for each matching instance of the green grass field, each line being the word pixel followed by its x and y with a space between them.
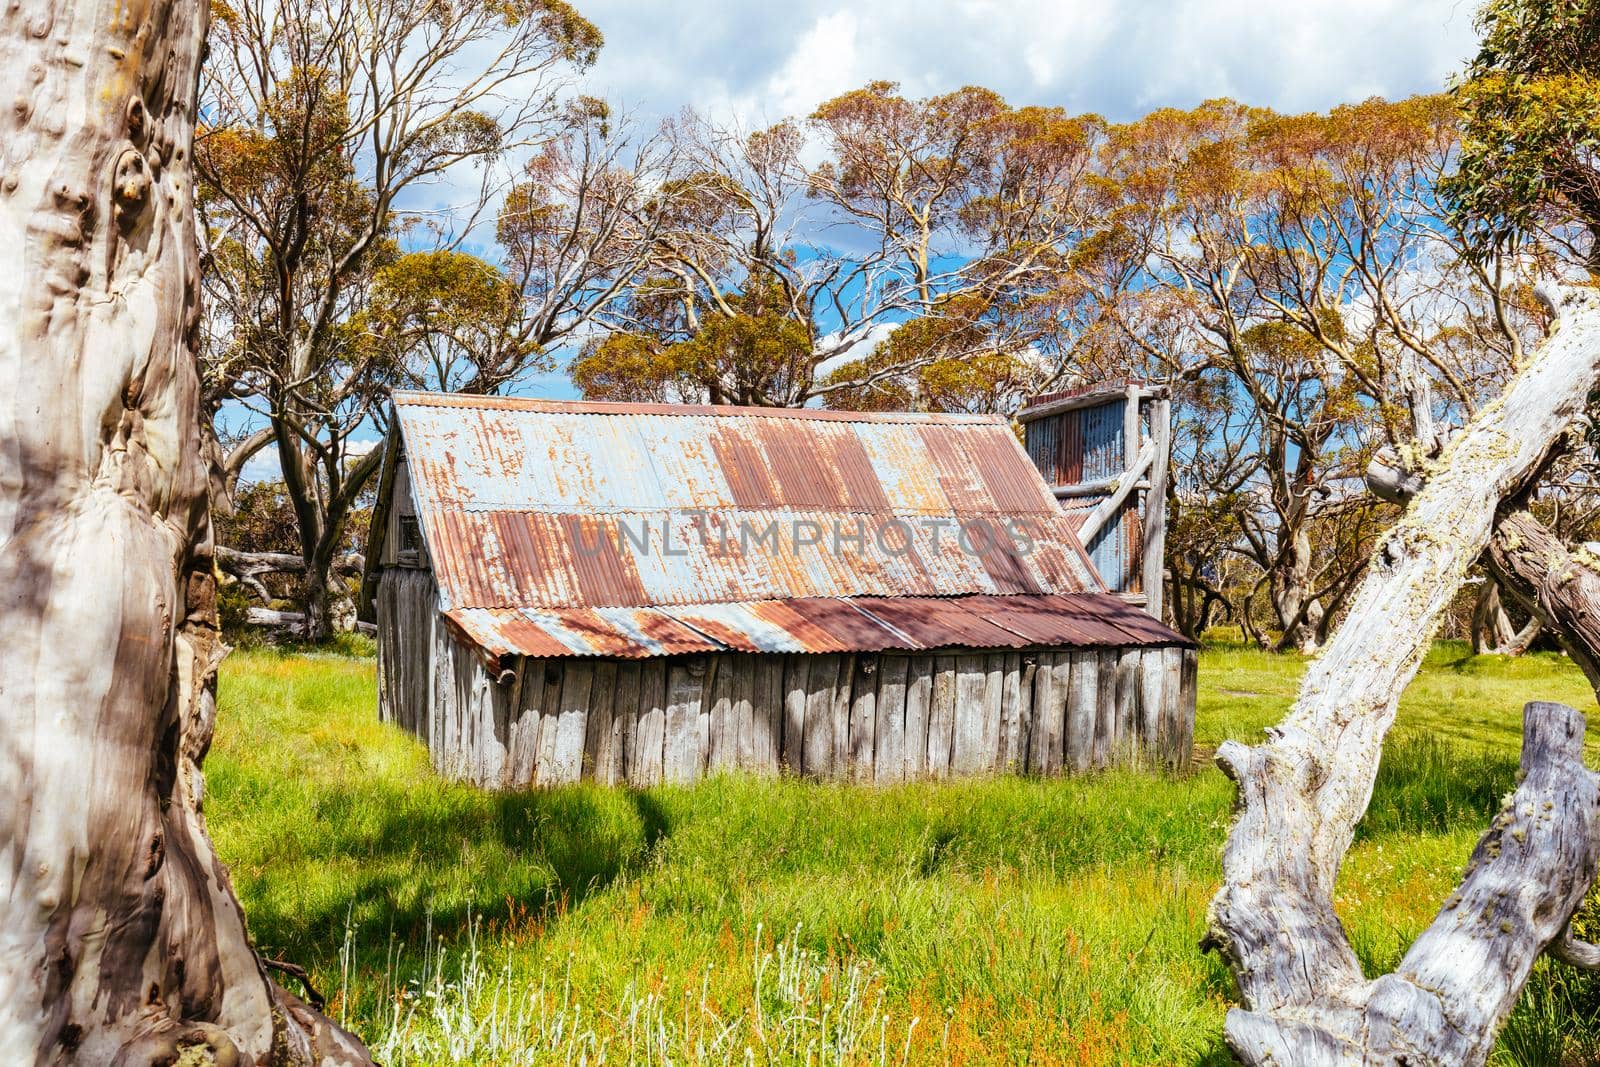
pixel 742 920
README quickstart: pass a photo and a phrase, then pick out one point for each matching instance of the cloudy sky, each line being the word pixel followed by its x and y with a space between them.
pixel 1119 58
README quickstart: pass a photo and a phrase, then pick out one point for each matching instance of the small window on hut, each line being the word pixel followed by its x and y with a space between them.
pixel 409 553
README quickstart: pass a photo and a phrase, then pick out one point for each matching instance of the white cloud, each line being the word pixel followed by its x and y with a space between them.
pixel 825 62
pixel 262 467
pixel 764 61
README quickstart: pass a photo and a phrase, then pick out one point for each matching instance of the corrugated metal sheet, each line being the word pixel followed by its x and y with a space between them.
pixel 864 624
pixel 538 504
pixel 640 530
pixel 1082 445
pixel 1114 557
pixel 1099 386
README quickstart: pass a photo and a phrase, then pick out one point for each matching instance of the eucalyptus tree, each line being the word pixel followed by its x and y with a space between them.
pixel 123 941
pixel 1298 280
pixel 1526 166
pixel 780 282
pixel 353 156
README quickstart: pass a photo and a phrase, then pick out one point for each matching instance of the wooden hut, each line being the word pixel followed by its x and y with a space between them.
pixel 646 593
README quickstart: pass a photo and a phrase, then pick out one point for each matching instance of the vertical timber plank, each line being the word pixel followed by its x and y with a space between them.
pixel 966 749
pixel 941 716
pixel 766 713
pixel 597 729
pixel 525 723
pixel 1063 678
pixel 1012 755
pixel 1082 708
pixel 791 746
pixel 682 754
pixel 1188 686
pixel 1105 716
pixel 863 717
pixel 1047 730
pixel 919 703
pixel 1026 687
pixel 721 729
pixel 647 754
pixel 821 681
pixel 1151 700
pixel 1128 679
pixel 624 724
pixel 1172 698
pixel 576 684
pixel 549 721
pixel 744 690
pixel 889 755
pixel 1155 509
pixel 841 715
pixel 994 683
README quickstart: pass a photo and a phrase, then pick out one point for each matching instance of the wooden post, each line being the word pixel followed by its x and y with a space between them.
pixel 919 705
pixel 1153 555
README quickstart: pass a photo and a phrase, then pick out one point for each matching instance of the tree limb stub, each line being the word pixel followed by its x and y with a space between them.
pixel 1302 792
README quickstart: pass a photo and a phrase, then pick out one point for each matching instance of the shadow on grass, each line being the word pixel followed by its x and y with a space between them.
pixel 399 867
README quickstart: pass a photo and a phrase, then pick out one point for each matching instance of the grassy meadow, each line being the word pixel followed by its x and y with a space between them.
pixel 743 920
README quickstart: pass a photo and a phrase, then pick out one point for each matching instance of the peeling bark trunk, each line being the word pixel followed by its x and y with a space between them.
pixel 1445 1002
pixel 1302 792
pixel 121 941
pixel 1298 616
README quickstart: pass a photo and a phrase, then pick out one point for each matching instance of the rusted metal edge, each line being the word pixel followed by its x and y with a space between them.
pixel 1047 404
pixel 408 398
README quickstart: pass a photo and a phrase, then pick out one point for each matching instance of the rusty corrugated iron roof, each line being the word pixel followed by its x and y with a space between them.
pixel 637 530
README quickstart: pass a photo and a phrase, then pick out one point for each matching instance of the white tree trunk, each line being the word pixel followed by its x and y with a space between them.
pixel 121 941
pixel 1302 792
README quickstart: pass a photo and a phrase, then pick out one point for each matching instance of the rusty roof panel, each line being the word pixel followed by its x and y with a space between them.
pixel 547 457
pixel 1085 620
pixel 937 622
pixel 535 559
pixel 818 624
pixel 412 398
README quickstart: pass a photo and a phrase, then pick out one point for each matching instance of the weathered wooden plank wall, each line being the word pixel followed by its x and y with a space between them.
pixel 872 717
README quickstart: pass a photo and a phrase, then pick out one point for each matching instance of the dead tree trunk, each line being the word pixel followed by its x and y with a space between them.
pixel 1557 588
pixel 121 941
pixel 1302 792
pixel 1492 630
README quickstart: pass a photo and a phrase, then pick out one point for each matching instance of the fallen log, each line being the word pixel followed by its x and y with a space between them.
pixel 293 621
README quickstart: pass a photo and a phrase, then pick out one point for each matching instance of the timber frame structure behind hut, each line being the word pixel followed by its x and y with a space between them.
pixel 1104 450
pixel 645 593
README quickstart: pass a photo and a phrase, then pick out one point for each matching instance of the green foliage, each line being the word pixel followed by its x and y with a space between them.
pixel 746 347
pixel 1021 919
pixel 1531 101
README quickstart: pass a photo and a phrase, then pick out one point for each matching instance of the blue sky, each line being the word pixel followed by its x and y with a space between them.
pixel 760 62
